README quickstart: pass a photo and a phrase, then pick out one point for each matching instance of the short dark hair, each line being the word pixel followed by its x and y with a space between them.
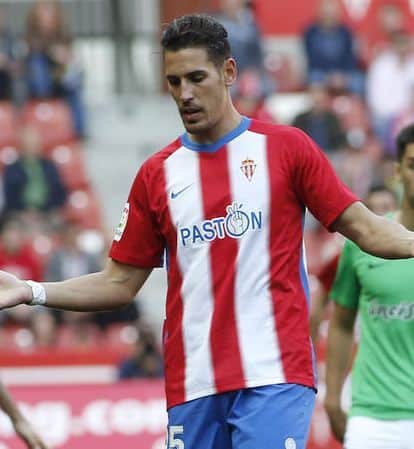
pixel 198 30
pixel 404 138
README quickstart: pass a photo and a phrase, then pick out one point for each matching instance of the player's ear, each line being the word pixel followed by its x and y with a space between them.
pixel 229 71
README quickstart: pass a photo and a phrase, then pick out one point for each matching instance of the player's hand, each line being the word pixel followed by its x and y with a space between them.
pixel 25 431
pixel 13 291
pixel 337 420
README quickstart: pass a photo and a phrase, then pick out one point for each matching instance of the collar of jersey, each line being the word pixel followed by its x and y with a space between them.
pixel 212 147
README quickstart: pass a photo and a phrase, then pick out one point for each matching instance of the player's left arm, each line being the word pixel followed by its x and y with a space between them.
pixel 376 235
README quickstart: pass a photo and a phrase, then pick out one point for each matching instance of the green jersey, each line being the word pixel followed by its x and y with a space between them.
pixel 383 292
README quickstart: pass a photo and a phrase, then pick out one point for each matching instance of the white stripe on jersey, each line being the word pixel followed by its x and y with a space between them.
pixel 184 189
pixel 258 340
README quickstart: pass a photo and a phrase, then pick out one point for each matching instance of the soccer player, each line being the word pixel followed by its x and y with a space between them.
pixel 20 423
pixel 226 200
pixel 382 292
pixel 381 200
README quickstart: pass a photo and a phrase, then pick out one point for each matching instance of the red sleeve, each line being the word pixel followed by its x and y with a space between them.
pixel 317 184
pixel 138 240
pixel 327 273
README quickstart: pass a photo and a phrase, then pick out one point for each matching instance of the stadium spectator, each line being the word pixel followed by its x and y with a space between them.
pixel 320 122
pixel 10 55
pixel 32 182
pixel 238 358
pixel 16 256
pixel 356 169
pixel 389 20
pixel 51 67
pixel 249 97
pixel 330 51
pixel 245 40
pixel 146 362
pixel 381 293
pixel 69 260
pixel 405 118
pixel 390 72
pixel 44 327
pixel 21 425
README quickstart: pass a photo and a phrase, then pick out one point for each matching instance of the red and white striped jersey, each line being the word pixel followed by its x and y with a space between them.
pixel 229 217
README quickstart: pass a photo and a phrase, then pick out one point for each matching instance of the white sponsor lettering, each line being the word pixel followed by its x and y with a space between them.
pixel 56 422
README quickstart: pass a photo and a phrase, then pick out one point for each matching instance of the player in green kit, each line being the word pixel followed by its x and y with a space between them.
pixel 382 292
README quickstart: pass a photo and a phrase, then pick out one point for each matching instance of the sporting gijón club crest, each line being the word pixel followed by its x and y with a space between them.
pixel 248 167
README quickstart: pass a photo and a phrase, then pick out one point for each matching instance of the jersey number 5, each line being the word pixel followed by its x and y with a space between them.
pixel 173 441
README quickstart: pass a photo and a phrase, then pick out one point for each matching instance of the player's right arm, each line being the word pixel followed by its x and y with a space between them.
pixel 113 287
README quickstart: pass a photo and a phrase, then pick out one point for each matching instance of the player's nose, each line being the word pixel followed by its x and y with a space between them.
pixel 186 92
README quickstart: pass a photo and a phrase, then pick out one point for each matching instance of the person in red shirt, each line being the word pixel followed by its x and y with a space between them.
pixel 18 257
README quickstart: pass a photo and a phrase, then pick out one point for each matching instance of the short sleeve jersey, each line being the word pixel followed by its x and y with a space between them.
pixel 383 292
pixel 229 216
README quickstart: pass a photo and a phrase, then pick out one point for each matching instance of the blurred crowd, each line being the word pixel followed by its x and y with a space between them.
pixel 359 92
pixel 50 226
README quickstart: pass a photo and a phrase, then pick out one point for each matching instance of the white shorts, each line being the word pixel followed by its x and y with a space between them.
pixel 369 433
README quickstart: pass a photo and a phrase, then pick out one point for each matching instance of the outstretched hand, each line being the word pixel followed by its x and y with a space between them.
pixel 26 432
pixel 13 291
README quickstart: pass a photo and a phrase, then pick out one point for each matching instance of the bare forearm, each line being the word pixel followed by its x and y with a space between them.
pixel 92 292
pixel 374 234
pixel 388 239
pixel 8 405
pixel 340 342
pixel 113 287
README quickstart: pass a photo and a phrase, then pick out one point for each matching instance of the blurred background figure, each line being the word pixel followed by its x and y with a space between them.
pixel 10 60
pixel 44 329
pixel 390 19
pixel 250 98
pixel 245 40
pixel 330 51
pixel 18 258
pixel 33 181
pixel 69 259
pixel 51 68
pixel 390 79
pixel 146 361
pixel 320 121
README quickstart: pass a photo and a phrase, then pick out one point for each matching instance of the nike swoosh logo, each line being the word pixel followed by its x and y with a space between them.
pixel 372 265
pixel 174 195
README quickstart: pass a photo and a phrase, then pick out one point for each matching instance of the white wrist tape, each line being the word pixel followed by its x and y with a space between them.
pixel 38 293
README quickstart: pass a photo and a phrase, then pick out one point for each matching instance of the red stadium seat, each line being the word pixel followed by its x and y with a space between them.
pixel 71 165
pixel 8 125
pixel 83 207
pixel 52 119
